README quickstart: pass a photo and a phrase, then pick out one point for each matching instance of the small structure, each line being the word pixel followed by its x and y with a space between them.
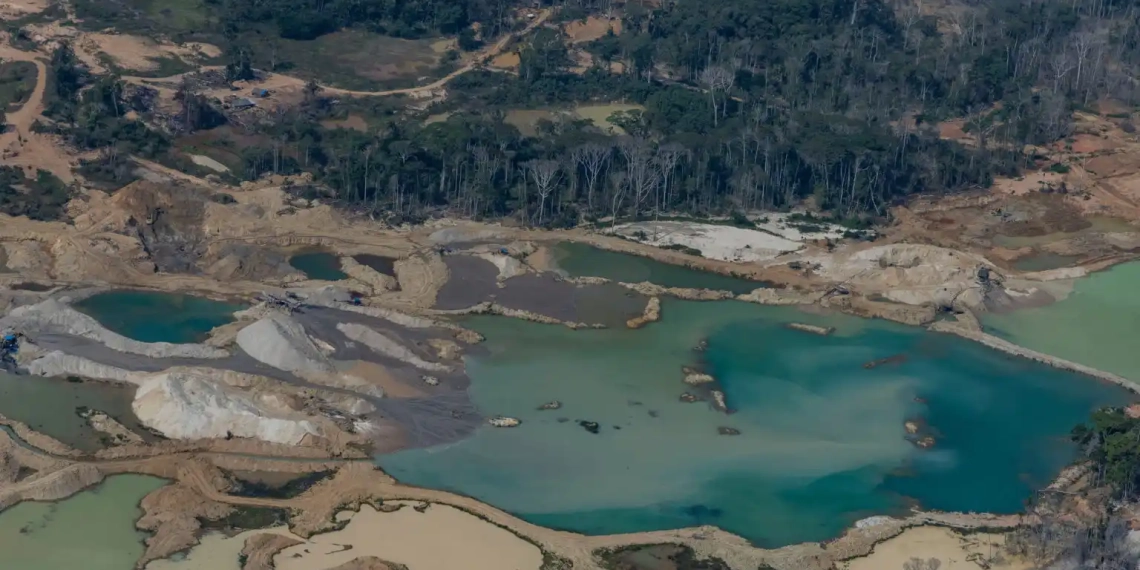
pixel 242 103
pixel 260 92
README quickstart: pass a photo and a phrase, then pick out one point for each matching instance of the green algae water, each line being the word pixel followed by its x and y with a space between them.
pixel 318 265
pixel 94 530
pixel 1096 325
pixel 822 441
pixel 579 260
pixel 49 405
pixel 158 317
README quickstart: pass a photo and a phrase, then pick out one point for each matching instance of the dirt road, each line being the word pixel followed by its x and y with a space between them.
pixel 19 146
pixel 275 81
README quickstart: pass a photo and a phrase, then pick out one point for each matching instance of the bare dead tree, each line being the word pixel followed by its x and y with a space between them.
pixel 618 184
pixel 666 162
pixel 716 78
pixel 592 157
pixel 545 174
pixel 641 176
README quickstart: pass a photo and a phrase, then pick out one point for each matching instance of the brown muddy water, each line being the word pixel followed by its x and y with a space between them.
pixel 49 405
pixel 473 281
pixel 379 263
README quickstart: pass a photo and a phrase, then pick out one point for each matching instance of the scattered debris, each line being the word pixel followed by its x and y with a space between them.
pixel 814 329
pixel 504 422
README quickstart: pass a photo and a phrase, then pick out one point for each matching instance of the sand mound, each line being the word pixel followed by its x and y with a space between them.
pixel 58 363
pixel 199 404
pixel 51 486
pixel 911 274
pixel 508 266
pixel 281 342
pixel 380 343
pixel 55 316
pixel 374 279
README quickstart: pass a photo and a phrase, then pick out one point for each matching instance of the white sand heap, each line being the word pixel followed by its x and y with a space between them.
pixel 58 363
pixel 55 316
pixel 380 343
pixel 205 403
pixel 281 342
pixel 508 266
pixel 725 243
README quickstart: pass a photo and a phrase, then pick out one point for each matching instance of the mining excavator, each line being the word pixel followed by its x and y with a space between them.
pixel 9 347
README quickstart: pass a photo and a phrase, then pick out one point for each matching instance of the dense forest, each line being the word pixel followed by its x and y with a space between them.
pixel 741 105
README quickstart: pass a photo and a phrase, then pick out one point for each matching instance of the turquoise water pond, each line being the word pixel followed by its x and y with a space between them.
pixel 822 440
pixel 158 317
pixel 1096 325
pixel 579 260
pixel 318 265
pixel 94 530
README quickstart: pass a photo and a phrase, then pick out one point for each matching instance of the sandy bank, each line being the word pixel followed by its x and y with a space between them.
pixel 651 314
pixel 58 363
pixel 955 551
pixel 216 551
pixel 382 344
pixel 725 243
pixel 440 538
pixel 491 308
pixel 376 281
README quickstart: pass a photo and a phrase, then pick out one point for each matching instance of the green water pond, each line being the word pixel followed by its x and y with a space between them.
pixel 318 265
pixel 93 530
pixel 1096 325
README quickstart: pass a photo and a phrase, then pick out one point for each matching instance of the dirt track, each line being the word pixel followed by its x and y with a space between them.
pixel 276 81
pixel 19 146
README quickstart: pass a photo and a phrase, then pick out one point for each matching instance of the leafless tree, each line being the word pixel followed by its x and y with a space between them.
pixel 716 78
pixel 618 184
pixel 592 157
pixel 641 176
pixel 666 162
pixel 545 174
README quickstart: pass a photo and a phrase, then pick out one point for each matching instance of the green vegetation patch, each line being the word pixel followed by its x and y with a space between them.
pixel 248 518
pixel 180 19
pixel 39 198
pixel 17 81
pixel 351 59
pixel 287 490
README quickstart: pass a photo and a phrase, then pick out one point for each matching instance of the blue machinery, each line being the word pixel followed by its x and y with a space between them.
pixel 9 347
